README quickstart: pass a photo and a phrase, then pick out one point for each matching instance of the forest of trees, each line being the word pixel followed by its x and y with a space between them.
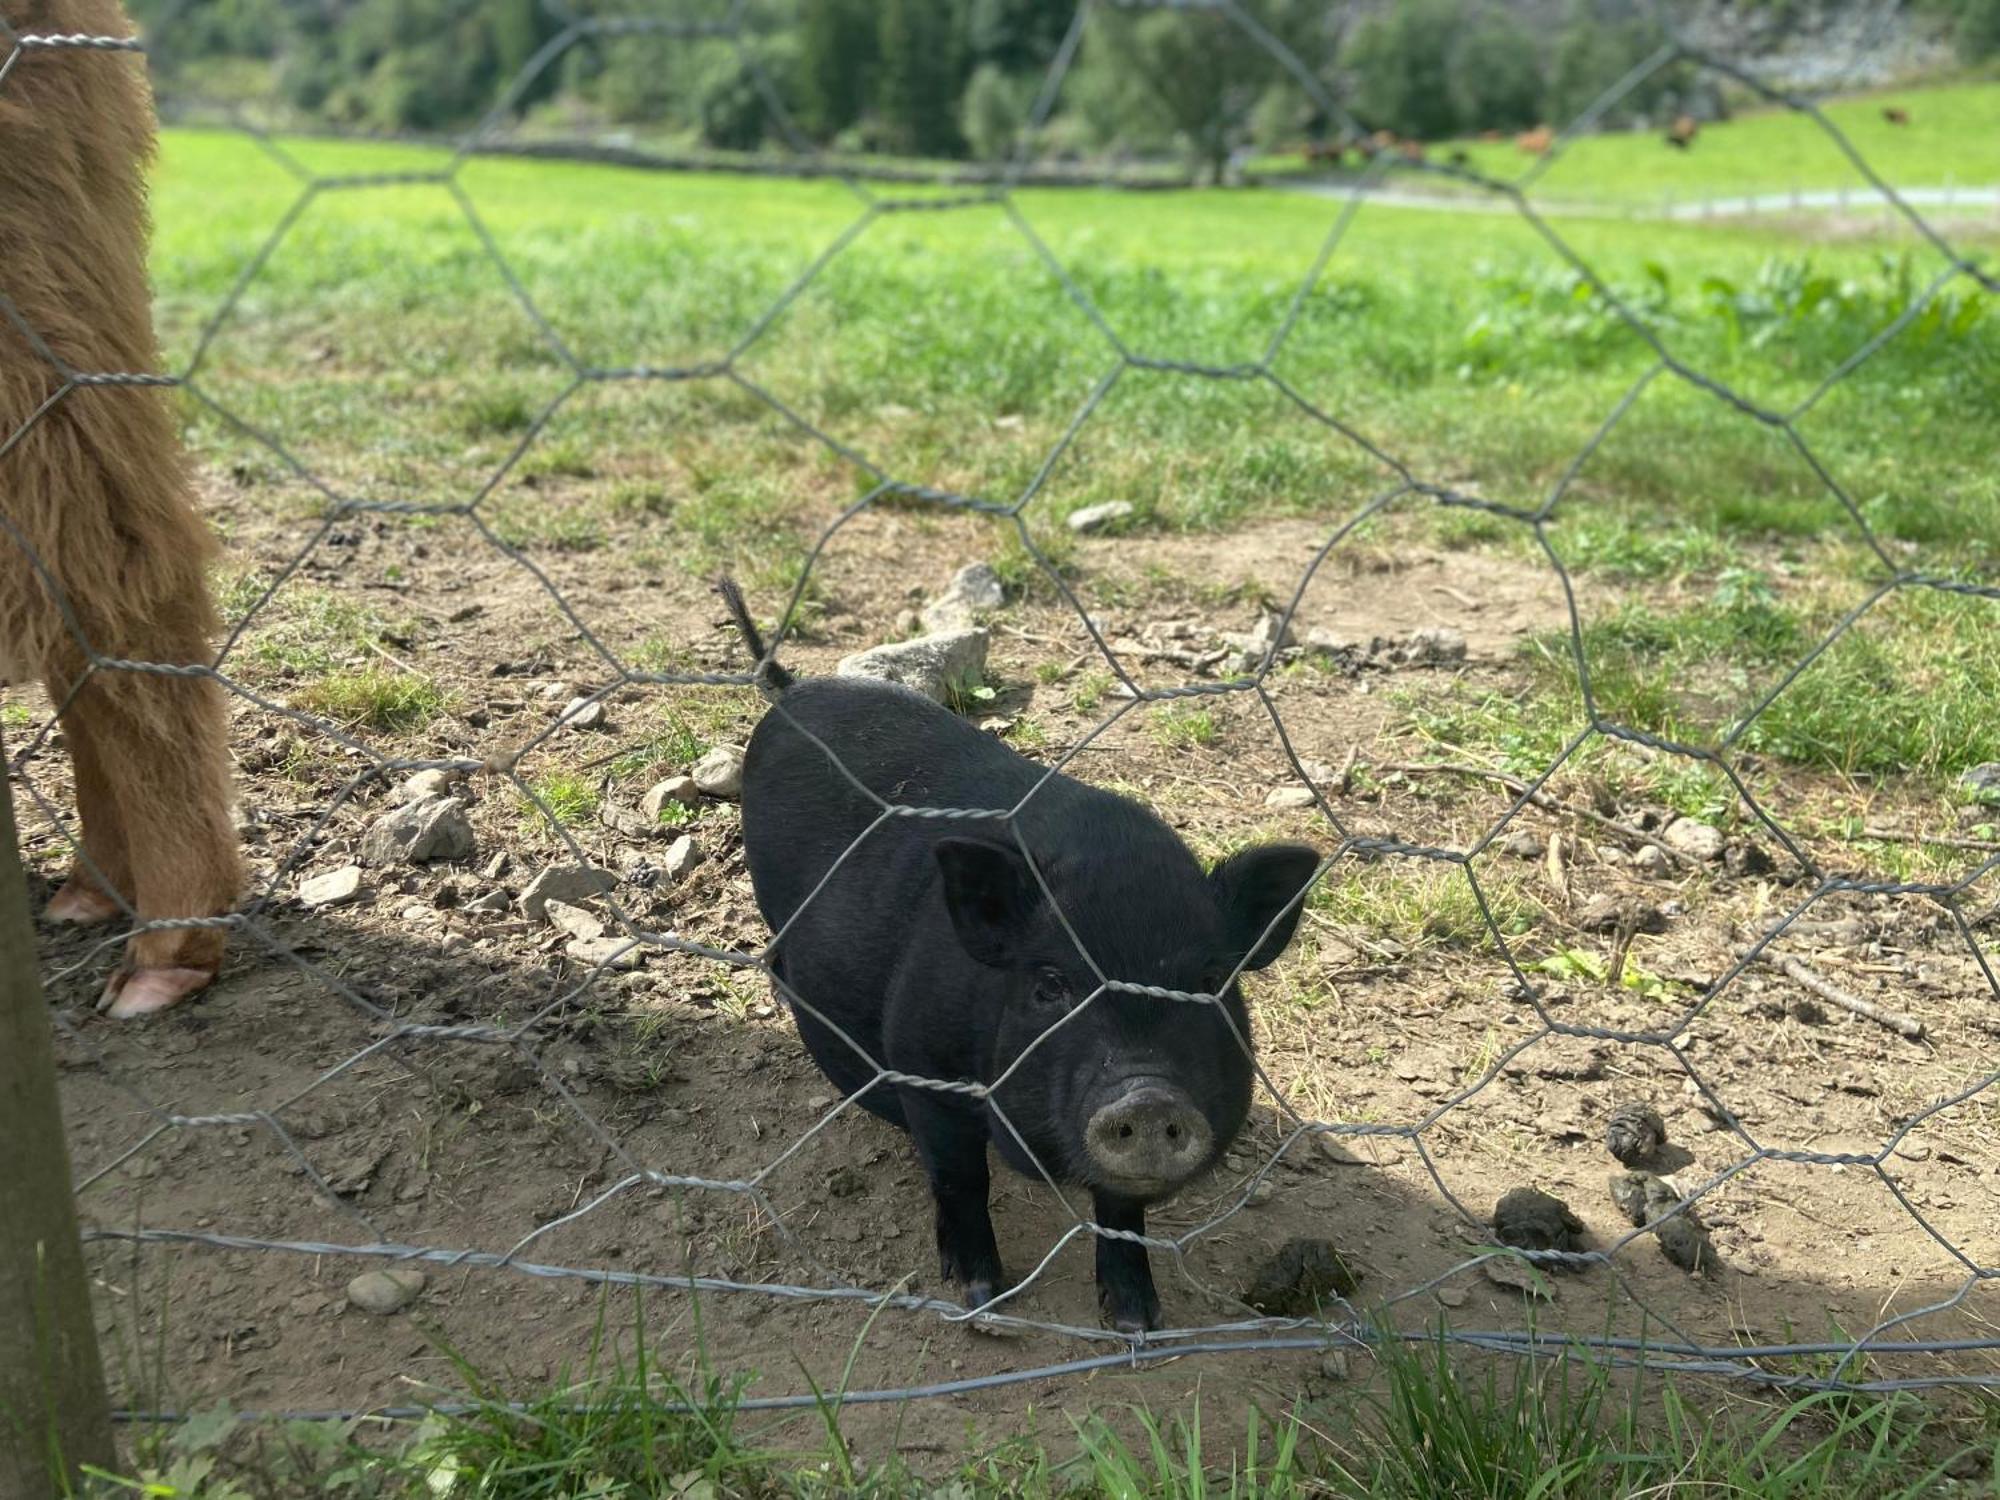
pixel 944 78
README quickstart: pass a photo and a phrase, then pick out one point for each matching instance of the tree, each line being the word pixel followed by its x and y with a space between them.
pixel 1978 33
pixel 917 83
pixel 1400 64
pixel 837 57
pixel 1200 71
pixel 991 115
pixel 1496 74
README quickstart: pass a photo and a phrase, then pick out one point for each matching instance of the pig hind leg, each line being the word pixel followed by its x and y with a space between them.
pixel 1124 1271
pixel 952 1146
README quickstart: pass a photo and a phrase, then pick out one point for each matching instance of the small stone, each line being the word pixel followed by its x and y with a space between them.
pixel 942 667
pixel 1517 1275
pixel 1270 635
pixel 1452 1296
pixel 973 588
pixel 1333 1365
pixel 1521 844
pixel 1435 646
pixel 1324 642
pixel 1635 1133
pixel 574 920
pixel 423 831
pixel 615 952
pixel 1289 797
pixel 333 888
pixel 1097 517
pixel 908 623
pixel 492 901
pixel 422 786
pixel 719 773
pixel 1746 858
pixel 1982 782
pixel 495 867
pixel 675 791
pixel 1529 1219
pixel 1302 1280
pixel 682 856
pixel 1695 839
pixel 570 883
pixel 385 1292
pixel 1652 862
pixel 583 713
pixel 1685 1242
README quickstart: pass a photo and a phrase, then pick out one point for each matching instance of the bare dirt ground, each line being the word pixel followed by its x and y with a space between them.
pixel 1390 1008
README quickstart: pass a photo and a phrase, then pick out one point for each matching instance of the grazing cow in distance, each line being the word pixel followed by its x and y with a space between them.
pixel 1895 115
pixel 99 541
pixel 1536 142
pixel 1681 134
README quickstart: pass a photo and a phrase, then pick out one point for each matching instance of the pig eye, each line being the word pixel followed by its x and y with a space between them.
pixel 1051 987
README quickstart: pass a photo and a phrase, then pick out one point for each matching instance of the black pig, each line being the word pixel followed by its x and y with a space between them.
pixel 934 949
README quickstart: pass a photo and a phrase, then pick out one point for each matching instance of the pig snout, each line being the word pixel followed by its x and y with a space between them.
pixel 1148 1140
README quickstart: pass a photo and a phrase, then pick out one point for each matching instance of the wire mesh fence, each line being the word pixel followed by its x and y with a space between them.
pixel 1900 1350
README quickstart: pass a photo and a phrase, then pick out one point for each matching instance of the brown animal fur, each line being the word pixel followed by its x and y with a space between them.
pixel 1536 142
pixel 98 490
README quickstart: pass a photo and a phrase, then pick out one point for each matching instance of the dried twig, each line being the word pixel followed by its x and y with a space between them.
pixel 1943 840
pixel 1833 994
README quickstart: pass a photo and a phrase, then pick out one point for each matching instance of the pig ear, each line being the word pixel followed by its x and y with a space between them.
pixel 991 895
pixel 1256 887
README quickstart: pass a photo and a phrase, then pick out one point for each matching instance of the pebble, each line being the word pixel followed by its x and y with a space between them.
pixel 1333 1365
pixel 1435 646
pixel 1695 839
pixel 719 773
pixel 937 666
pixel 1522 844
pixel 583 713
pixel 1097 517
pixel 492 901
pixel 682 856
pixel 1652 862
pixel 495 867
pixel 1289 797
pixel 570 883
pixel 574 920
pixel 1982 782
pixel 1516 1274
pixel 909 623
pixel 433 829
pixel 675 791
pixel 385 1292
pixel 333 888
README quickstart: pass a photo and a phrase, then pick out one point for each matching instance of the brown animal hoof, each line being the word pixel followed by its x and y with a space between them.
pixel 143 992
pixel 80 903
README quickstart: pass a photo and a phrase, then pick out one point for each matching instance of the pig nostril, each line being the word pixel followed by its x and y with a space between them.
pixel 1173 1132
pixel 1124 1132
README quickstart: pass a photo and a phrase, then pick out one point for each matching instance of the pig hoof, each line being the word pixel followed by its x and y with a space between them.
pixel 1130 1316
pixel 81 904
pixel 142 992
pixel 978 1294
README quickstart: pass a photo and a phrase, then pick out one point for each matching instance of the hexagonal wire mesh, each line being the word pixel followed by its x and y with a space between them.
pixel 1675 1350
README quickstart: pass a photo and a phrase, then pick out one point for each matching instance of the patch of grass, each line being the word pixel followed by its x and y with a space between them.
pixel 375 697
pixel 678 741
pixel 1183 727
pixel 302 630
pixel 1429 907
pixel 1090 690
pixel 570 799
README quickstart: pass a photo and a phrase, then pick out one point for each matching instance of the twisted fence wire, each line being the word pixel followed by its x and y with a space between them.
pixel 1348 1326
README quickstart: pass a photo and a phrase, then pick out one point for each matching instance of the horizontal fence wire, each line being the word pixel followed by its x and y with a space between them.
pixel 873 193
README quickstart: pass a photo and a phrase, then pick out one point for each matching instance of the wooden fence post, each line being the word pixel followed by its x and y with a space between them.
pixel 54 1416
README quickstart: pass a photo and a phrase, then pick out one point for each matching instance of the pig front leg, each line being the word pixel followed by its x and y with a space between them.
pixel 1124 1272
pixel 952 1146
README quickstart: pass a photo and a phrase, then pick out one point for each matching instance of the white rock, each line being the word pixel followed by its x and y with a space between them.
pixel 1289 797
pixel 385 1292
pixel 574 920
pixel 1694 838
pixel 720 772
pixel 492 901
pixel 616 952
pixel 1097 517
pixel 433 829
pixel 333 888
pixel 583 713
pixel 1651 862
pixel 934 665
pixel 421 786
pixel 674 791
pixel 973 588
pixel 571 883
pixel 682 856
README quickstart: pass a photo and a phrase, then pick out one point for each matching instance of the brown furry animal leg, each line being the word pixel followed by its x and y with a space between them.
pixel 103 871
